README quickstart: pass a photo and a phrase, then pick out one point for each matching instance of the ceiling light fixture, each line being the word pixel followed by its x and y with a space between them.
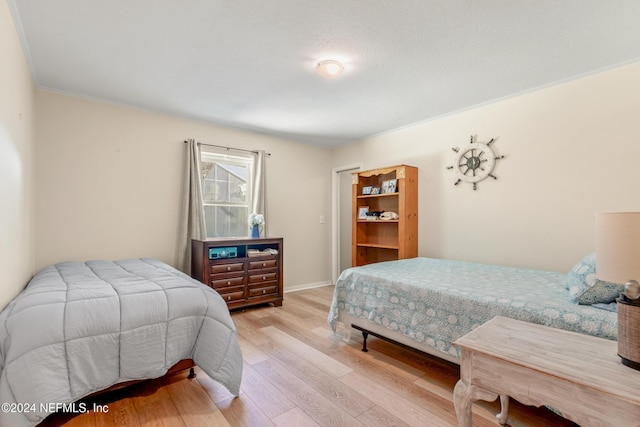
pixel 329 68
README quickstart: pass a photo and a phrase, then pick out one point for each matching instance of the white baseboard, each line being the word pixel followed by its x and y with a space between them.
pixel 306 286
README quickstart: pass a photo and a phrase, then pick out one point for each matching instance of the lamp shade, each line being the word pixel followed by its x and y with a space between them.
pixel 618 246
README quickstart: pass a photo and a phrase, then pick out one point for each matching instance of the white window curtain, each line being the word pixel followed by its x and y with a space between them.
pixel 192 224
pixel 260 187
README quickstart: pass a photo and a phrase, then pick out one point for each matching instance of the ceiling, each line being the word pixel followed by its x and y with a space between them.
pixel 249 64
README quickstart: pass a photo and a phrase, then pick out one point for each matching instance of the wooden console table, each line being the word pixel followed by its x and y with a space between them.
pixel 579 375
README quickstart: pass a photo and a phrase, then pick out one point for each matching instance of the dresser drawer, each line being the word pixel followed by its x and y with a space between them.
pixel 259 291
pixel 226 267
pixel 267 263
pixel 226 282
pixel 265 277
pixel 232 294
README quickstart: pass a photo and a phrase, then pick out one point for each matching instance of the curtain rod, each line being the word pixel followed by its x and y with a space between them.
pixel 230 148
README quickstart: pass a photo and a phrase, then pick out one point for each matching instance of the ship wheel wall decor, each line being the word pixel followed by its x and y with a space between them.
pixel 474 162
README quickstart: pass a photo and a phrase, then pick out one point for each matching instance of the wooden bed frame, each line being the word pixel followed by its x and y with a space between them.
pixel 178 367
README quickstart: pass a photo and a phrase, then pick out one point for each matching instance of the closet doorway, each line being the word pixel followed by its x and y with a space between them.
pixel 341 235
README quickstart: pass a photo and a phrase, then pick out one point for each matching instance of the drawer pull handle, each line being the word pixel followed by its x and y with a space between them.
pixel 228 268
pixel 264 278
pixel 229 298
pixel 264 291
pixel 228 282
pixel 264 264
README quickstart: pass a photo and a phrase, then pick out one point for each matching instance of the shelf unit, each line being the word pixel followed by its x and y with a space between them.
pixel 385 240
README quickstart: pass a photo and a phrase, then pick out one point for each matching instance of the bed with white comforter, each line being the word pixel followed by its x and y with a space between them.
pixel 78 328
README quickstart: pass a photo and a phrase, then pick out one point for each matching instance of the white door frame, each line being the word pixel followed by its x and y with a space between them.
pixel 335 217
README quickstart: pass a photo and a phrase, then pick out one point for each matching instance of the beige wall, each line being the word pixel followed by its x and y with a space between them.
pixel 109 181
pixel 108 177
pixel 17 184
pixel 571 150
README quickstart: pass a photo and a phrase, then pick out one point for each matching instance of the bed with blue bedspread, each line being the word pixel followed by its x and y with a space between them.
pixel 78 328
pixel 429 303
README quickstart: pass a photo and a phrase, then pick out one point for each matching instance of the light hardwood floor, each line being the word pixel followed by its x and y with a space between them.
pixel 298 373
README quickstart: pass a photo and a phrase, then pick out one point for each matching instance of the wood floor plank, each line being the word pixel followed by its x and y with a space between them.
pixel 395 404
pixel 250 353
pixel 261 310
pixel 298 329
pixel 120 413
pixel 296 308
pixel 316 307
pixel 397 367
pixel 353 402
pixel 432 385
pixel 313 403
pixel 69 420
pixel 264 394
pixel 194 405
pixel 374 364
pixel 329 365
pixel 319 298
pixel 243 413
pixel 303 335
pixel 377 416
pixel 439 404
pixel 155 407
pixel 248 327
pixel 295 418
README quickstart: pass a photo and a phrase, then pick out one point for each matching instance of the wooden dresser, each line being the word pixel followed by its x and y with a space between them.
pixel 243 271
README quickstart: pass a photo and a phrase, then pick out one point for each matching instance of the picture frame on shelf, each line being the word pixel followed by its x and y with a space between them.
pixel 362 212
pixel 385 186
pixel 367 190
pixel 391 185
pixel 375 190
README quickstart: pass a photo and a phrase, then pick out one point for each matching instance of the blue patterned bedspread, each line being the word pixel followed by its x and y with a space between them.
pixel 435 302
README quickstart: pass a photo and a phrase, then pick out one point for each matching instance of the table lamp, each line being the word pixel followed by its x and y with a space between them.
pixel 618 261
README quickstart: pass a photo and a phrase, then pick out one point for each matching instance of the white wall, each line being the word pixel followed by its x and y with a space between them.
pixel 109 181
pixel 108 177
pixel 571 150
pixel 17 184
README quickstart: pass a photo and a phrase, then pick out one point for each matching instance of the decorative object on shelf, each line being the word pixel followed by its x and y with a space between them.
pixel 389 186
pixel 255 223
pixel 362 212
pixel 367 190
pixel 375 190
pixel 257 252
pixel 474 162
pixel 389 216
pixel 374 215
pixel 617 255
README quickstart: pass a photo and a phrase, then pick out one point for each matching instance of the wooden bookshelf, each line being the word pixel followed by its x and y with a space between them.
pixel 385 240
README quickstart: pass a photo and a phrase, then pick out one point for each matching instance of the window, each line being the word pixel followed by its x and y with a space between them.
pixel 226 193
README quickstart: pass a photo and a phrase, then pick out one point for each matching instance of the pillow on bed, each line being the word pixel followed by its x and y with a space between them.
pixel 585 288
